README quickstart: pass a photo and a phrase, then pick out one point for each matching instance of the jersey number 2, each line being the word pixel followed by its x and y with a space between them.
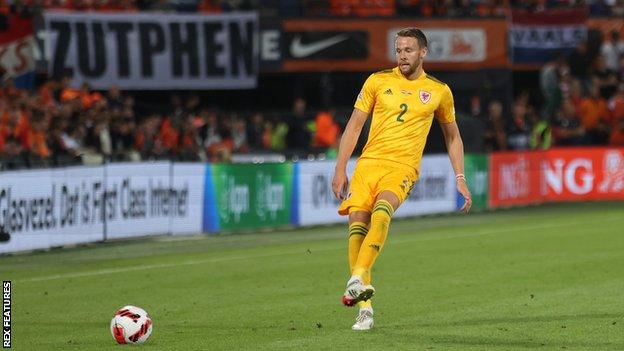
pixel 403 110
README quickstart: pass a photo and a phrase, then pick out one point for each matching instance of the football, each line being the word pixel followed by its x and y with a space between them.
pixel 131 325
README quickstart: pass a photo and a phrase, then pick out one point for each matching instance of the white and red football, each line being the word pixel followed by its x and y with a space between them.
pixel 131 325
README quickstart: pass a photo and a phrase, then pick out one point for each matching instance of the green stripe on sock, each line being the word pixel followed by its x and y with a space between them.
pixel 357 227
pixel 384 210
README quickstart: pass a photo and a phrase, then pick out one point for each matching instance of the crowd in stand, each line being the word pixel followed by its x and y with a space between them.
pixel 583 103
pixel 59 125
pixel 345 8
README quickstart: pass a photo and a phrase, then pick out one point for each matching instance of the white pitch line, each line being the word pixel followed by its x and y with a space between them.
pixel 223 259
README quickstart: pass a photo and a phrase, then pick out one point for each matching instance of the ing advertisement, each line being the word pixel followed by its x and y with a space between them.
pixel 574 174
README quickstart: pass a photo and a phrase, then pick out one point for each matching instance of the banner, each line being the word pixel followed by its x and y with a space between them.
pixel 316 201
pixel 536 36
pixel 581 174
pixel 47 208
pixel 154 50
pixel 476 170
pixel 17 45
pixel 187 193
pixel 434 192
pixel 514 178
pixel 250 196
pixel 65 206
pixel 368 44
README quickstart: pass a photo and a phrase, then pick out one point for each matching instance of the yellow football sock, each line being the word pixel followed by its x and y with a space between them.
pixel 357 233
pixel 375 239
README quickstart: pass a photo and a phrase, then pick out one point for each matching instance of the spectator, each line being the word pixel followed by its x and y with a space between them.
pixel 298 136
pixel 611 50
pixel 616 104
pixel 550 83
pixel 519 131
pixel 37 144
pixel 190 148
pixel 595 117
pixel 617 135
pixel 114 98
pixel 326 129
pixel 209 132
pixel 239 136
pixel 495 137
pixel 222 151
pixel 255 132
pixel 567 127
pixel 541 133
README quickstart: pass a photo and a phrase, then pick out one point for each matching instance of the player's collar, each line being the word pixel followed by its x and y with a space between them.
pixel 397 72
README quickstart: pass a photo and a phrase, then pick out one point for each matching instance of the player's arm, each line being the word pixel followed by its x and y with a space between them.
pixel 455 147
pixel 454 144
pixel 347 145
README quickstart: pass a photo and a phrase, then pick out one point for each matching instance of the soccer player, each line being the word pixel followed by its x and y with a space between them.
pixel 403 101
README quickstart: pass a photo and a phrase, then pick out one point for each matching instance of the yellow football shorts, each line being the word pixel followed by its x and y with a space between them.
pixel 371 177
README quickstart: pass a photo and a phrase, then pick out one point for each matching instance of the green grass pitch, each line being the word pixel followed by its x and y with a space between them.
pixel 548 278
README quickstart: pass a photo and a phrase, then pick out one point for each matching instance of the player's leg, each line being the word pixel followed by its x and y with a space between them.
pixel 357 291
pixel 383 210
pixel 358 228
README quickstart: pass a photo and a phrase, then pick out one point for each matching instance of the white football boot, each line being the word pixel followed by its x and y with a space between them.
pixel 356 292
pixel 364 320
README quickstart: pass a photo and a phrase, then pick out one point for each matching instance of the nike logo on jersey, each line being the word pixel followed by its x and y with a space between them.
pixel 299 49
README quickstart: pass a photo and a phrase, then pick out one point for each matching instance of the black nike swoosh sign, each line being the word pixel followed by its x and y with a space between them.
pixel 326 45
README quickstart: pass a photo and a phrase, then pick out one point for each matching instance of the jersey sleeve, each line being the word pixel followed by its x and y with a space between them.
pixel 366 98
pixel 446 110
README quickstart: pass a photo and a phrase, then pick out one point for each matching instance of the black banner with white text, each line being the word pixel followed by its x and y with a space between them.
pixel 153 50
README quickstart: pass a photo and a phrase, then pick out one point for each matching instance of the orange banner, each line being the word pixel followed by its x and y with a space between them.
pixel 453 45
pixel 514 178
pixel 574 174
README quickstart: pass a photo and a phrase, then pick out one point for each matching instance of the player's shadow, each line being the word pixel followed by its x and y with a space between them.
pixel 524 319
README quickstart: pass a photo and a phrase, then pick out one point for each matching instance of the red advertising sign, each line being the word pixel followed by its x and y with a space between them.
pixel 514 178
pixel 575 174
pixel 583 174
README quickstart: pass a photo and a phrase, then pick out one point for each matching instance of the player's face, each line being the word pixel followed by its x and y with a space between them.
pixel 409 54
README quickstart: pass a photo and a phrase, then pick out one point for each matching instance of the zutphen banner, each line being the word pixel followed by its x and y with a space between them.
pixel 247 196
pixel 154 50
pixel 535 37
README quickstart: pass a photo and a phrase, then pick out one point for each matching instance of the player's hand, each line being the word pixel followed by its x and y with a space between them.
pixel 462 187
pixel 340 184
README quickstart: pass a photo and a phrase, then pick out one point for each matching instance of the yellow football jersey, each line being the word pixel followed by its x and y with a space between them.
pixel 403 111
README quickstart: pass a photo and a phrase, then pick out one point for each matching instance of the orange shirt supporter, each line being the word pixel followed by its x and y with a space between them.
pixel 169 135
pixel 592 111
pixel 22 129
pixel 326 130
pixel 47 95
pixel 88 100
pixel 617 108
pixel 617 137
pixel 69 94
pixel 37 144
